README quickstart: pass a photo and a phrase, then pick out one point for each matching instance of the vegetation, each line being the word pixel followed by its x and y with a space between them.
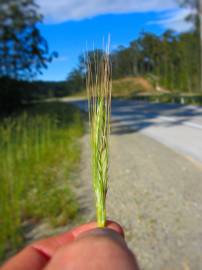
pixel 170 61
pixel 15 93
pixel 99 96
pixel 39 149
pixel 39 146
pixel 23 51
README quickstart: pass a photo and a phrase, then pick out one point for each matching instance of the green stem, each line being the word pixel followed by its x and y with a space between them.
pixel 101 215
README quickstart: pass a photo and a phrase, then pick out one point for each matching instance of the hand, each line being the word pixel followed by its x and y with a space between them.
pixel 85 247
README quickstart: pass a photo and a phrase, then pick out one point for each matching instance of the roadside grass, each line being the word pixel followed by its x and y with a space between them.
pixel 39 150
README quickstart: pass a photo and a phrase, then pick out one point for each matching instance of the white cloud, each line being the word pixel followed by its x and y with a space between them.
pixel 175 20
pixel 56 11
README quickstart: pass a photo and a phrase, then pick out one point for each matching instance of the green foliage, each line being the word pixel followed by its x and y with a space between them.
pixel 39 149
pixel 123 61
pixel 76 81
pixel 15 93
pixel 173 60
pixel 10 94
pixel 23 51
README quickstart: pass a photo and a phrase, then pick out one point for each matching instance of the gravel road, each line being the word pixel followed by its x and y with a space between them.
pixel 155 193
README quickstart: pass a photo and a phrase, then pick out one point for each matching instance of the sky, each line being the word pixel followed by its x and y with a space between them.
pixel 71 26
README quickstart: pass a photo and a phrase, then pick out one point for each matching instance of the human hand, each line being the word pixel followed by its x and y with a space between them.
pixel 85 247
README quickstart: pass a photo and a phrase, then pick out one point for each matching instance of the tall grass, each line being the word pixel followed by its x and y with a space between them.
pixel 99 97
pixel 38 151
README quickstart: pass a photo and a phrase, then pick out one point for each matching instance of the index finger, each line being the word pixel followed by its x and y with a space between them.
pixel 50 245
pixel 38 254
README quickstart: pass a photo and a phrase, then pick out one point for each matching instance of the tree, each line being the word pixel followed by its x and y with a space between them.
pixel 124 62
pixel 170 60
pixel 76 80
pixel 149 46
pixel 92 58
pixel 23 51
pixel 196 18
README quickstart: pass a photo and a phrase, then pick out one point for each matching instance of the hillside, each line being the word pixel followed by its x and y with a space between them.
pixel 129 86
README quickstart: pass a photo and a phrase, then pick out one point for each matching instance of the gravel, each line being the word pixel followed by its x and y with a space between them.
pixel 155 194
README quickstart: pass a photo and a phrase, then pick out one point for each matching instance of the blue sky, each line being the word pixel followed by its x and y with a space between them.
pixel 69 25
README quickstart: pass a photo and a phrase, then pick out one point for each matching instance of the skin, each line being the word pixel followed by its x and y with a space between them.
pixel 85 247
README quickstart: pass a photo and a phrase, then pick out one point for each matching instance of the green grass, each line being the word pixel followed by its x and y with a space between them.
pixel 39 150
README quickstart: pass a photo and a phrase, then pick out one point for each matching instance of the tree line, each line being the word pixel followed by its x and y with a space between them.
pixel 171 61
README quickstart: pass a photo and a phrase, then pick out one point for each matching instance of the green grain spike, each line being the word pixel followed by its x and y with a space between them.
pixel 99 100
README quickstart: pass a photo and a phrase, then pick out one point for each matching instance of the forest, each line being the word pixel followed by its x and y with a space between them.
pixel 170 61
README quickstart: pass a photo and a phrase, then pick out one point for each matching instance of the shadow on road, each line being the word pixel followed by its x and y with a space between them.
pixel 130 116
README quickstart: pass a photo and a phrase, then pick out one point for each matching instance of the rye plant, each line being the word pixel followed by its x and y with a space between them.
pixel 99 100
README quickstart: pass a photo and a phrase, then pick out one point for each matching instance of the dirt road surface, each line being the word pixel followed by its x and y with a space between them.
pixel 155 193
